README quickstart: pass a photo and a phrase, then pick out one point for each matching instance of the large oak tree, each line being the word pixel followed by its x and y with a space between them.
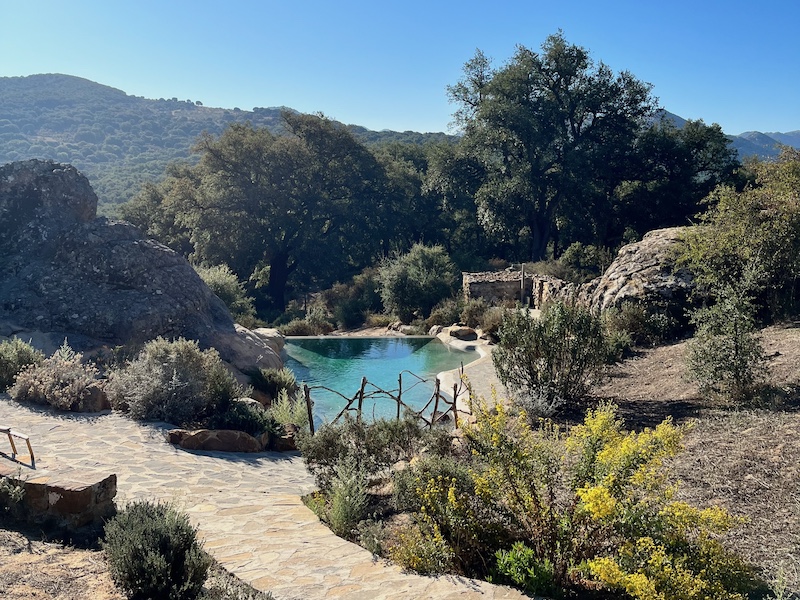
pixel 553 131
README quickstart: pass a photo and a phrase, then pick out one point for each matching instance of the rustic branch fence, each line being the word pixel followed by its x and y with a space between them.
pixel 370 391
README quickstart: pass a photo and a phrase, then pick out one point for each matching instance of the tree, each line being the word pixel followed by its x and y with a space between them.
pixel 672 170
pixel 416 281
pixel 310 204
pixel 551 130
pixel 753 237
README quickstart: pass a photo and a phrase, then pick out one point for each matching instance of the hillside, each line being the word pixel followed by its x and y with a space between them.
pixel 120 141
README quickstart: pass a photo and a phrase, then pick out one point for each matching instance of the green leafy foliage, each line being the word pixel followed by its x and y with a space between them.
pixel 153 552
pixel 63 381
pixel 272 381
pixel 247 417
pixel 520 566
pixel 14 356
pixel 351 303
pixel 725 356
pixel 372 446
pixel 173 381
pixel 416 281
pixel 348 498
pixel 549 360
pixel 753 236
pixel 224 283
pixel 290 409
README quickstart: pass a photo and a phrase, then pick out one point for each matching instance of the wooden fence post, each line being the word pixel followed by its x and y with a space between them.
pixel 361 397
pixel 399 393
pixel 435 402
pixel 455 405
pixel 307 394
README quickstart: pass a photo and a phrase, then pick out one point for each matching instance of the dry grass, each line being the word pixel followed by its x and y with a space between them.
pixel 30 568
pixel 745 459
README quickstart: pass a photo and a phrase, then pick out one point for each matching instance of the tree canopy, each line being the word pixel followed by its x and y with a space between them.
pixel 552 130
pixel 269 206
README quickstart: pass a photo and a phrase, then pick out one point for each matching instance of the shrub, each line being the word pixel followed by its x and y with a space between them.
pixel 600 498
pixel 272 381
pixel 14 356
pixel 445 313
pixel 290 410
pixel 725 357
pixel 247 417
pixel 351 303
pixel 549 361
pixel 416 281
pixel 62 381
pixel 348 498
pixel 520 567
pixel 224 283
pixel 642 325
pixel 372 446
pixel 473 312
pixel 297 327
pixel 153 552
pixel 421 548
pixel 174 381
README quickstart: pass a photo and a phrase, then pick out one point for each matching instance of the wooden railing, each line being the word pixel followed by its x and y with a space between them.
pixel 370 391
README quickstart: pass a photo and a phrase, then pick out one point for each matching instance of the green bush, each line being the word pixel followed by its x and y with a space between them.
pixel 549 361
pixel 14 356
pixel 725 356
pixel 643 325
pixel 289 409
pixel 372 446
pixel 272 381
pixel 153 552
pixel 298 327
pixel 421 548
pixel 224 283
pixel 473 312
pixel 416 281
pixel 247 417
pixel 351 303
pixel 348 498
pixel 62 381
pixel 445 313
pixel 174 381
pixel 520 567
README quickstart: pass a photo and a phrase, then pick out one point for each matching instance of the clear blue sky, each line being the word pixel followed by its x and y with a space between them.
pixel 385 64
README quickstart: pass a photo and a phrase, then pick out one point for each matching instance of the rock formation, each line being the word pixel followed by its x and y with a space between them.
pixel 66 274
pixel 642 272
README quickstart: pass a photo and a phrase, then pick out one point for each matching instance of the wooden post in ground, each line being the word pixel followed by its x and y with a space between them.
pixel 455 404
pixel 399 393
pixel 361 397
pixel 435 402
pixel 307 394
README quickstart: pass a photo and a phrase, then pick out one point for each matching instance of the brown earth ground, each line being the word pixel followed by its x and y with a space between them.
pixel 745 459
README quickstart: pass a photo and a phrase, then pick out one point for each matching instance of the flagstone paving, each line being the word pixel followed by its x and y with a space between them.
pixel 247 507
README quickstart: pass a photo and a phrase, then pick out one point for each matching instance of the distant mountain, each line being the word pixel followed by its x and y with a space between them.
pixel 120 141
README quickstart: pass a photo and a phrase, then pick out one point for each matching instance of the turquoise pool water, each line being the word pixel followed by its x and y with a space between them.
pixel 339 363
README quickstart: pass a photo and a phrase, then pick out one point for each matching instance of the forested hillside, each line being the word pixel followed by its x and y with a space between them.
pixel 119 141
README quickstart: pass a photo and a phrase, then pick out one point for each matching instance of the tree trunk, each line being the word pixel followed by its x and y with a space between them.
pixel 279 272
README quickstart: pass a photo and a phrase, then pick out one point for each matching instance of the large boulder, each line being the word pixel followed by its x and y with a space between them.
pixel 643 272
pixel 66 274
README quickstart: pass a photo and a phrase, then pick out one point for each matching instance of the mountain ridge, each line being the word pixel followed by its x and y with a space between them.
pixel 121 141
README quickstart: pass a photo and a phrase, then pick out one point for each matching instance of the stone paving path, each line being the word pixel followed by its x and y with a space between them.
pixel 247 507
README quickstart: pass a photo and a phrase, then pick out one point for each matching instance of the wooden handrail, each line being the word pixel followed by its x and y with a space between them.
pixel 16 434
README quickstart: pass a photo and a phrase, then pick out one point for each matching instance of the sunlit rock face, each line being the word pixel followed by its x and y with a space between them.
pixel 66 273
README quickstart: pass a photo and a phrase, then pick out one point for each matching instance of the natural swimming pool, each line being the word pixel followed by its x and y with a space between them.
pixel 339 363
